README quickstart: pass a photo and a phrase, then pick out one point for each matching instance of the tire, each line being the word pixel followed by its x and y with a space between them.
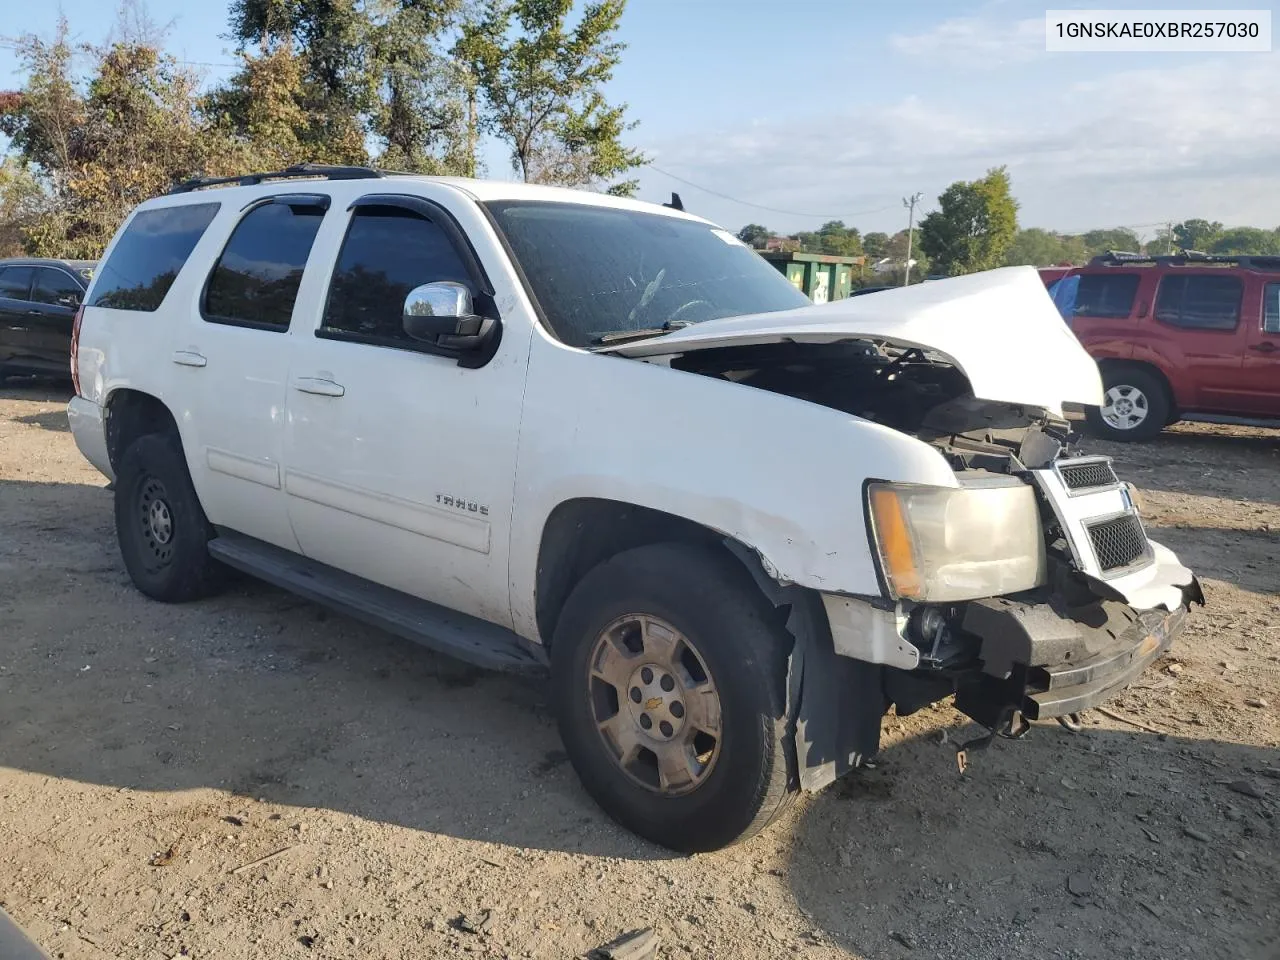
pixel 1137 406
pixel 728 638
pixel 161 528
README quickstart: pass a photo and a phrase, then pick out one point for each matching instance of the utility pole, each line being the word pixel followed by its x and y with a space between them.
pixel 910 204
pixel 1168 238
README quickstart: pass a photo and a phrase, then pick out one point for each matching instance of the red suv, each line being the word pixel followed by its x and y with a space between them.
pixel 1190 337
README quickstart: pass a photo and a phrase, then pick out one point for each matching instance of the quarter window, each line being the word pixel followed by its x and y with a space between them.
pixel 1106 295
pixel 146 259
pixel 1200 302
pixel 255 281
pixel 1271 308
pixel 387 252
pixel 15 283
pixel 56 288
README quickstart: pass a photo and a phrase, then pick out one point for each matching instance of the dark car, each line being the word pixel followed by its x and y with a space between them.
pixel 38 303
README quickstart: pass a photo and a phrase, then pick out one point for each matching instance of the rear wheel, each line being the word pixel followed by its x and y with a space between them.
pixel 1135 406
pixel 160 525
pixel 668 670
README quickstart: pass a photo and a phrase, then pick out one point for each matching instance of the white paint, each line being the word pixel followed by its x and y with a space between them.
pixel 1000 328
pixel 415 473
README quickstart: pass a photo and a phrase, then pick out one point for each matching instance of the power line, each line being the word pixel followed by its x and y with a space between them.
pixel 758 206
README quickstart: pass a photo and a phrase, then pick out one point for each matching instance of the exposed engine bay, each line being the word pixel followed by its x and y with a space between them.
pixel 905 389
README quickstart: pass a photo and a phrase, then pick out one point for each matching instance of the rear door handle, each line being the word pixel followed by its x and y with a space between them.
pixel 319 386
pixel 189 358
pixel 1265 347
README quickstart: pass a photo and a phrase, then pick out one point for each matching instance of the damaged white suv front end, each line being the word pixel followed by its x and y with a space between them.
pixel 1022 579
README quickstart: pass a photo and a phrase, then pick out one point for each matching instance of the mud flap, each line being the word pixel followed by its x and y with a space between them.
pixel 834 704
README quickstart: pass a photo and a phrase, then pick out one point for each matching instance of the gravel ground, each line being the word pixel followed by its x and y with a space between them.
pixel 251 776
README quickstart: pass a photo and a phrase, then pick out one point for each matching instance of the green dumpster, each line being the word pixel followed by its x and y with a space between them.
pixel 818 276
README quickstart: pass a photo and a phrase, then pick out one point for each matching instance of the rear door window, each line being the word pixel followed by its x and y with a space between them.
pixel 148 256
pixel 1200 302
pixel 56 288
pixel 15 283
pixel 1105 295
pixel 255 281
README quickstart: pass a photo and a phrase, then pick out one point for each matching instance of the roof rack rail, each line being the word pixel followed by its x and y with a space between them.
pixel 1190 258
pixel 298 170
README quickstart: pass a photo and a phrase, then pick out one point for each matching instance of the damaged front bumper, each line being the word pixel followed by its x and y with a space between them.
pixel 1040 661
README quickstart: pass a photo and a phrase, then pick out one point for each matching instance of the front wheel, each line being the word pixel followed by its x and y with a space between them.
pixel 1135 406
pixel 668 669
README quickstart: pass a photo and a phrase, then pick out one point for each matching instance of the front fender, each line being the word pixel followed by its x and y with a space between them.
pixel 782 476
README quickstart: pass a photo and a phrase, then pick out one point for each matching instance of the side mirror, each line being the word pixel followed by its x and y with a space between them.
pixel 442 314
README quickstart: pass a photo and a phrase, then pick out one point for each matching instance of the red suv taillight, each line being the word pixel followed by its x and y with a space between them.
pixel 75 351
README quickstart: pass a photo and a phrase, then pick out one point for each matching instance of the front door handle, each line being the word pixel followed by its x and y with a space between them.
pixel 189 358
pixel 319 386
pixel 1265 347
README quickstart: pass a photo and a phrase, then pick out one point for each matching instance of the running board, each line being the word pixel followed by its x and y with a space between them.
pixel 1222 418
pixel 446 631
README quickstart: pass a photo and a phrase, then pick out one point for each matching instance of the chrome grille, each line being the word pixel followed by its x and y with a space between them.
pixel 1117 542
pixel 1091 473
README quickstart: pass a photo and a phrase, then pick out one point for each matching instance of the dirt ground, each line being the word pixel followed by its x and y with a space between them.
pixel 151 754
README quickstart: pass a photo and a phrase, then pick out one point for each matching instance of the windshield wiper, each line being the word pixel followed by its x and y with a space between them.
pixel 621 336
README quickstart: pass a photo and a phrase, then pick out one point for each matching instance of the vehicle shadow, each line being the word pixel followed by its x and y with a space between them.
pixel 1094 845
pixel 265 695
pixel 39 389
pixel 55 420
pixel 1200 460
pixel 1248 559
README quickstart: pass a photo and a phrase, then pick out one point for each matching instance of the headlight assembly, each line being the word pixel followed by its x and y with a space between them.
pixel 938 544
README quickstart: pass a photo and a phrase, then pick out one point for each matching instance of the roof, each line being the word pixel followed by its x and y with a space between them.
pixel 1188 258
pixel 76 265
pixel 340 181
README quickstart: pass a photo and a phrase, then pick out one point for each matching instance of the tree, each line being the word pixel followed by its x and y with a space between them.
pixel 540 83
pixel 96 148
pixel 974 225
pixel 1043 248
pixel 261 110
pixel 425 114
pixel 875 245
pixel 1246 240
pixel 754 235
pixel 21 202
pixel 1196 234
pixel 832 238
pixel 1119 238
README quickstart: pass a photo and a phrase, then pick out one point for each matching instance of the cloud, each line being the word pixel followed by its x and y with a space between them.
pixel 1136 147
pixel 980 42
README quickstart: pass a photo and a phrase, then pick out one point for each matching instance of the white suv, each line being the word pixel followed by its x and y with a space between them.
pixel 539 428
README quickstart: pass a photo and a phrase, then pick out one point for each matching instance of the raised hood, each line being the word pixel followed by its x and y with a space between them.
pixel 1000 328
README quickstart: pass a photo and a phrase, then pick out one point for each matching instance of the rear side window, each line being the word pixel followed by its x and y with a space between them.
pixel 1106 295
pixel 1200 302
pixel 148 256
pixel 387 252
pixel 15 283
pixel 56 287
pixel 1271 308
pixel 255 281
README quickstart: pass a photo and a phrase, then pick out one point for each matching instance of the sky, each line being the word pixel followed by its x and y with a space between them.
pixel 793 114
